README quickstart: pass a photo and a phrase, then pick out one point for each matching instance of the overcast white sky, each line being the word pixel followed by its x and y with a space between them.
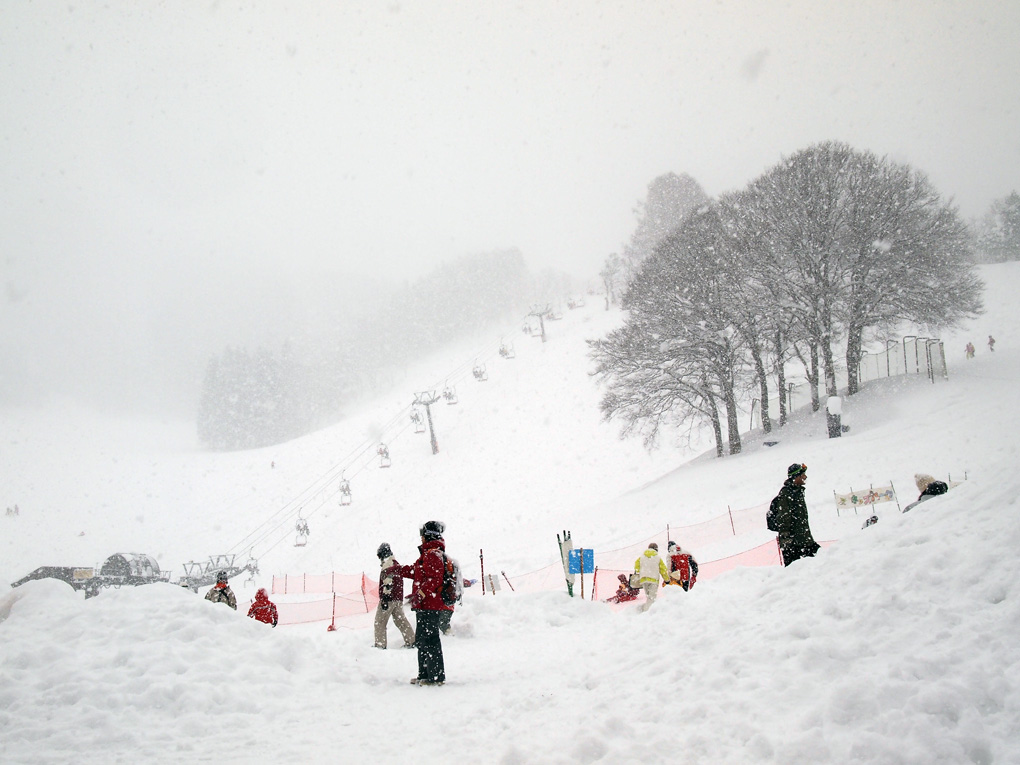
pixel 151 150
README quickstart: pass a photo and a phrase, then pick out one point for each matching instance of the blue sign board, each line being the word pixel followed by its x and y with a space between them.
pixel 574 560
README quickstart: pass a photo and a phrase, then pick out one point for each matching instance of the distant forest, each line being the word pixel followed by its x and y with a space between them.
pixel 258 397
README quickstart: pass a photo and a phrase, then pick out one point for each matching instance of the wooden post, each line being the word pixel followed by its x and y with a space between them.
pixel 481 560
pixel 581 552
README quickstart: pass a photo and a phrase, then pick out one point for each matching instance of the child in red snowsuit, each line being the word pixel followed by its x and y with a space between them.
pixel 624 592
pixel 263 610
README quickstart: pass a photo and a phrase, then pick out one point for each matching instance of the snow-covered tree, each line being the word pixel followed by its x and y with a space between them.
pixel 907 255
pixel 610 275
pixel 998 237
pixel 670 199
pixel 678 353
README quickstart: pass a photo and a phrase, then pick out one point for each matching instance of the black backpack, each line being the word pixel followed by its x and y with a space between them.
pixel 772 516
pixel 449 591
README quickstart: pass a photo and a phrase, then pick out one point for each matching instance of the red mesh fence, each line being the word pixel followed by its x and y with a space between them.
pixel 351 595
pixel 355 595
pixel 309 584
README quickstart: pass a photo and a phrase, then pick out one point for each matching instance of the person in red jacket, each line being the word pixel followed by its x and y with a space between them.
pixel 263 610
pixel 683 569
pixel 427 603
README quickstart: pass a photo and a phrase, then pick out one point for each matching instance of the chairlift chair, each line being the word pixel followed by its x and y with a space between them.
pixel 302 531
pixel 450 395
pixel 418 420
pixel 507 351
pixel 479 372
pixel 252 567
pixel 384 456
pixel 345 492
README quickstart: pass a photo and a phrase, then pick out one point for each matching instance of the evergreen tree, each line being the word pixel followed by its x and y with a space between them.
pixel 999 232
pixel 670 199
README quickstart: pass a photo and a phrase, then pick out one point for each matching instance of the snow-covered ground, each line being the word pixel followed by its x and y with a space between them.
pixel 897 644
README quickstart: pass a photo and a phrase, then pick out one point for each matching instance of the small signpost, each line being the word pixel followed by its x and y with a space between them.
pixel 580 560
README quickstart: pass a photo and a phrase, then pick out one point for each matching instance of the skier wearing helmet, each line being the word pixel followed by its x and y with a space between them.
pixel 427 603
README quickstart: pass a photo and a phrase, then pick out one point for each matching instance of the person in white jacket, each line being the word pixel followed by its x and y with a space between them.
pixel 650 567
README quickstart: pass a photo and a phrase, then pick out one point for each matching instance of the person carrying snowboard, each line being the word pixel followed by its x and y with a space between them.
pixel 649 567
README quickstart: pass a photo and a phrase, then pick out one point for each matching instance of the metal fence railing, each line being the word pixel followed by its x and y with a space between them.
pixel 910 355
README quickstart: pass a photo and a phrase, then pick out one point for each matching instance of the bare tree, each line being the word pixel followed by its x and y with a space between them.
pixel 907 252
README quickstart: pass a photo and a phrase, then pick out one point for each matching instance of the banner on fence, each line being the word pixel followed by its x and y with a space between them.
pixel 870 496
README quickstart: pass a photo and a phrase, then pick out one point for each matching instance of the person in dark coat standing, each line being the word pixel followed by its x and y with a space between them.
pixel 427 603
pixel 788 517
pixel 263 609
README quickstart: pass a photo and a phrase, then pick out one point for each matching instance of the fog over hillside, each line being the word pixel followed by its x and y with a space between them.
pixel 893 645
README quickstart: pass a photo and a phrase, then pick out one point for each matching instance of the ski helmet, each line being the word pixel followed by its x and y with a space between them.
pixel 432 530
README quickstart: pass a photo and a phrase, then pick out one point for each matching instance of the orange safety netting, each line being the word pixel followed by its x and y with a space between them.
pixel 351 595
pixel 356 594
pixel 306 584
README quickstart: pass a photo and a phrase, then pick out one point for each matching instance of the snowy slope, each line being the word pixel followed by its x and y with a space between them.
pixel 895 645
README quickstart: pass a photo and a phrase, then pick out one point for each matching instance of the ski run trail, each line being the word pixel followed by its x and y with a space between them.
pixel 897 643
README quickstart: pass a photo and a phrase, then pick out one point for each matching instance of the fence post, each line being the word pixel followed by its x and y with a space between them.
pixel 332 624
pixel 732 527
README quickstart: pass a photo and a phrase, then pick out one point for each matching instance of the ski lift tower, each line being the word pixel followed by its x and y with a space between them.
pixel 540 313
pixel 427 399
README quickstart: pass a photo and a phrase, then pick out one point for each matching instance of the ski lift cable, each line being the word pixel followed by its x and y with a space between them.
pixel 486 352
pixel 318 485
pixel 325 499
pixel 326 496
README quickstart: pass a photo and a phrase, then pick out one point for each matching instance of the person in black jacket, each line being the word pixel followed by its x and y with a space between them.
pixel 788 517
pixel 928 487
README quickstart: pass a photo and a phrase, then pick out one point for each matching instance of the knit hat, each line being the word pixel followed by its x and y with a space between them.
pixel 432 530
pixel 671 546
pixel 384 551
pixel 622 577
pixel 922 480
pixel 795 470
pixel 221 577
pixel 653 546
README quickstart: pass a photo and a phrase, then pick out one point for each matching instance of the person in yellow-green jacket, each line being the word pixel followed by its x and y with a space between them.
pixel 649 566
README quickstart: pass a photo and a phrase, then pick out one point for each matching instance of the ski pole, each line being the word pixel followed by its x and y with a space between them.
pixel 507 581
